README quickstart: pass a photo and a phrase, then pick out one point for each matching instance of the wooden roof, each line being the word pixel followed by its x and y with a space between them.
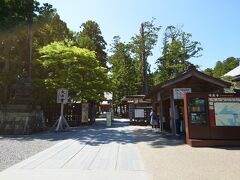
pixel 135 99
pixel 192 72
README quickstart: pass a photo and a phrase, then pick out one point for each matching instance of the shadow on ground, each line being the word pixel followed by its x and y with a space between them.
pixel 97 134
pixel 158 140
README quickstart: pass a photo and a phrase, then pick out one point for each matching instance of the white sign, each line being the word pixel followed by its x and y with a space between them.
pixel 109 119
pixel 139 113
pixel 178 93
pixel 62 95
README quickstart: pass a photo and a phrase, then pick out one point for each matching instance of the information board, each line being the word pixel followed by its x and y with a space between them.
pixel 197 111
pixel 227 113
pixel 139 113
pixel 225 109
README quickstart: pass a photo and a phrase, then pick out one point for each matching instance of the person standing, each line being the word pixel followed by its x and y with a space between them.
pixel 154 120
pixel 177 120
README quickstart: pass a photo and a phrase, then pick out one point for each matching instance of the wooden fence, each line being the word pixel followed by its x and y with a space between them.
pixel 72 112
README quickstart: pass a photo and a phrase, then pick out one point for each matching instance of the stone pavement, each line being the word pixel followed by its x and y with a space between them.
pixel 95 153
pixel 126 152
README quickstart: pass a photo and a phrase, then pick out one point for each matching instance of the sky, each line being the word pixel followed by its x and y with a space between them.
pixel 213 23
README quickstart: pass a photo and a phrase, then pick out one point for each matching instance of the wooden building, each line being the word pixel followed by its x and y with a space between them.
pixel 137 109
pixel 168 97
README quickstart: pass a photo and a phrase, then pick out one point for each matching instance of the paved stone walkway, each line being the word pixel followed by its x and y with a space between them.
pixel 92 153
pixel 97 152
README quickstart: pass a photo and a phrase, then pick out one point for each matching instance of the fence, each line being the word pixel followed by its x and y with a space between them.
pixel 72 112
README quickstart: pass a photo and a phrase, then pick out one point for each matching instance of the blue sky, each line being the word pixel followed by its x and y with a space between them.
pixel 214 23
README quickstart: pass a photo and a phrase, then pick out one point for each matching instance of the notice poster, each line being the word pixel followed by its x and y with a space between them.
pixel 227 113
pixel 139 113
pixel 197 111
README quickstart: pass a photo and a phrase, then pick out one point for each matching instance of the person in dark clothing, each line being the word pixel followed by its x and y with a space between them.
pixel 154 120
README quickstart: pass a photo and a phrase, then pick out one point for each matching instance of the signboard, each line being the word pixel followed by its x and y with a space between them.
pixel 178 93
pixel 139 113
pixel 227 113
pixel 62 95
pixel 84 112
pixel 109 119
pixel 225 109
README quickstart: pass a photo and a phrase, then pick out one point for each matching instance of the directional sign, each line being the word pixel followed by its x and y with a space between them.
pixel 62 95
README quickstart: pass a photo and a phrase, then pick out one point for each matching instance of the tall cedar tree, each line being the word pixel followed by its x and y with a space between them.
pixel 177 49
pixel 123 69
pixel 143 44
pixel 90 37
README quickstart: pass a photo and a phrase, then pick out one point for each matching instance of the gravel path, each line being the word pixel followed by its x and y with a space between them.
pixel 168 158
pixel 15 148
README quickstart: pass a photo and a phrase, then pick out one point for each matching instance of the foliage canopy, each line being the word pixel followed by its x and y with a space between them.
pixel 74 68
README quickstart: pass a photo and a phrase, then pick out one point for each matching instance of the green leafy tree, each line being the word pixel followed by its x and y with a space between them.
pixel 142 45
pixel 218 70
pixel 84 41
pixel 47 28
pixel 73 68
pixel 90 37
pixel 177 49
pixel 123 69
pixel 224 67
pixel 209 71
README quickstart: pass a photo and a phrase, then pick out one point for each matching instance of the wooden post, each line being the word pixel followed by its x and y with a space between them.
pixel 161 115
pixel 61 123
pixel 62 97
pixel 172 114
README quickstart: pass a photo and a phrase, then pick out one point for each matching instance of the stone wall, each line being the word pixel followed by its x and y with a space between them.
pixel 14 122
